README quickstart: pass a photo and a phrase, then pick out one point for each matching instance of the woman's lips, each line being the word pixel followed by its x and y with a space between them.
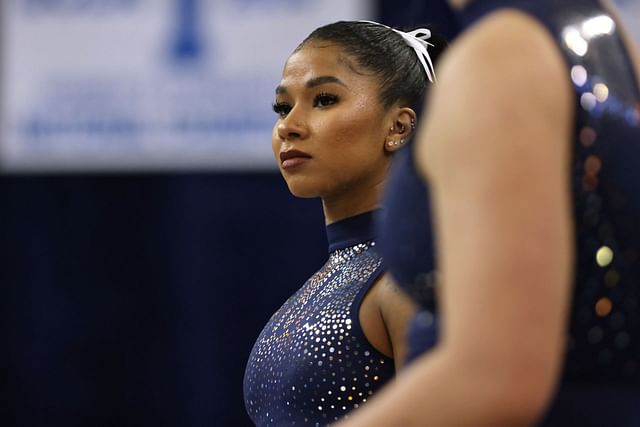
pixel 292 158
pixel 289 163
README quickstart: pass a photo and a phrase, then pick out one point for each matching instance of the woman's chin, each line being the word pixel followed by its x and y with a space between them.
pixel 305 193
pixel 302 189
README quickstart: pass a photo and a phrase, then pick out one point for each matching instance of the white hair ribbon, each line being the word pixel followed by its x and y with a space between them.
pixel 417 40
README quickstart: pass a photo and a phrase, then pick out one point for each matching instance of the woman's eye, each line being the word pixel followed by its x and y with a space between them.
pixel 281 108
pixel 324 100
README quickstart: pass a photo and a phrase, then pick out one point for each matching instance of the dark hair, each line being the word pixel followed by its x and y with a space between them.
pixel 384 53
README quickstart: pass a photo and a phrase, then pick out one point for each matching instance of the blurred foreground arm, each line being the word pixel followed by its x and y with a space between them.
pixel 496 153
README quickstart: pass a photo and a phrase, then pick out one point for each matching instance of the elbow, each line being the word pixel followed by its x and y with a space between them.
pixel 524 404
pixel 515 380
pixel 521 397
pixel 506 388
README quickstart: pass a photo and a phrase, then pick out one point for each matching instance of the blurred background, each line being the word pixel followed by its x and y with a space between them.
pixel 145 234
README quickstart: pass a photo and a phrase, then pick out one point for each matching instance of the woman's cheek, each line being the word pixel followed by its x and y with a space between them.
pixel 275 142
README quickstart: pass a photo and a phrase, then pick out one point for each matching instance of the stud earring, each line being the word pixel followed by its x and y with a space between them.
pixel 413 124
pixel 390 144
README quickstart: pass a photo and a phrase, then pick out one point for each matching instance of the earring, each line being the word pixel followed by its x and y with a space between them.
pixel 401 141
pixel 390 144
pixel 413 124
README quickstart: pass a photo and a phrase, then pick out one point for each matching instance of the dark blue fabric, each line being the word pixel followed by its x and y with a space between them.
pixel 477 9
pixel 405 236
pixel 351 231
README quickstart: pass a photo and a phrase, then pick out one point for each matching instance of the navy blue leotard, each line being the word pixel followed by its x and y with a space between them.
pixel 312 363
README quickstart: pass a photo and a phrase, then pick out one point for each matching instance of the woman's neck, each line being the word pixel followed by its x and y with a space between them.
pixel 353 202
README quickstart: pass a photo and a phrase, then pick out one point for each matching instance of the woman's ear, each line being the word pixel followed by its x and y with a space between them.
pixel 404 124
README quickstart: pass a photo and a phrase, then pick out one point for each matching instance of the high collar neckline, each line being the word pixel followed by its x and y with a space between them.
pixel 351 231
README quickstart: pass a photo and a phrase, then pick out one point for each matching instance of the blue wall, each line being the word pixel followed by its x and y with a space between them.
pixel 135 300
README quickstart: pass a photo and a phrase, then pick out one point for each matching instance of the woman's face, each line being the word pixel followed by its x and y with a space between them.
pixel 329 136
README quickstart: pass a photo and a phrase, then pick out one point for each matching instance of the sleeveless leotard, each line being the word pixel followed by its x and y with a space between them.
pixel 312 363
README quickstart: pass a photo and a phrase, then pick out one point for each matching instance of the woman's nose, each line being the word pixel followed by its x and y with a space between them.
pixel 292 127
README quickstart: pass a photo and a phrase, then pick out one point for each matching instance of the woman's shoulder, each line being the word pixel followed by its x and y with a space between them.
pixel 508 37
pixel 504 72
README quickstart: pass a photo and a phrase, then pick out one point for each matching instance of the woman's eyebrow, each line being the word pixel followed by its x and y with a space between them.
pixel 316 81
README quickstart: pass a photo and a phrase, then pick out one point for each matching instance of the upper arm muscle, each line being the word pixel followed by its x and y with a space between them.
pixel 496 154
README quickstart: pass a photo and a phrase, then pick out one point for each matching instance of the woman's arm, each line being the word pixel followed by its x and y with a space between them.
pixel 397 310
pixel 496 153
pixel 385 314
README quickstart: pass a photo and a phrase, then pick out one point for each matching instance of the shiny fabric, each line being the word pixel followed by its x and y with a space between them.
pixel 312 363
pixel 602 368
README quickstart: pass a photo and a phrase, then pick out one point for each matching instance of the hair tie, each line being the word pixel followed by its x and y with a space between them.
pixel 417 40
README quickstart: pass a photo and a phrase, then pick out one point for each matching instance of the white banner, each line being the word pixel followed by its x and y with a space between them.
pixel 115 85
